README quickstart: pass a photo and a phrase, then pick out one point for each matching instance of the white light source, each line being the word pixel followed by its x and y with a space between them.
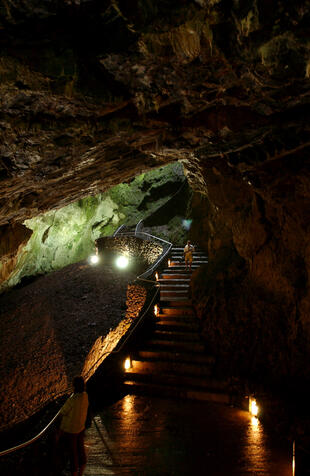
pixel 156 276
pixel 127 363
pixel 122 262
pixel 94 259
pixel 253 407
pixel 156 310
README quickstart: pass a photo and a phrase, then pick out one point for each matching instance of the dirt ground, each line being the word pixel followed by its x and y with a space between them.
pixel 47 328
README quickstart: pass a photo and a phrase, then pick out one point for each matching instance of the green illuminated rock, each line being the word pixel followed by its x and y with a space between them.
pixel 65 236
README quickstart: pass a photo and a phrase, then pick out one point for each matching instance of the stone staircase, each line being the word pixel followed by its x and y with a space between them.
pixel 173 362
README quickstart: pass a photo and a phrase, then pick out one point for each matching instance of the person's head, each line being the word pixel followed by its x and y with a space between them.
pixel 78 384
pixel 188 242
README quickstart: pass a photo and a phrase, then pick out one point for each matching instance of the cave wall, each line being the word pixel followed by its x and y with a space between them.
pixel 253 298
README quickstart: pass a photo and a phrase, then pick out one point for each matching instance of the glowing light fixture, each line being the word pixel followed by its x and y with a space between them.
pixel 94 259
pixel 156 310
pixel 127 363
pixel 122 262
pixel 294 460
pixel 156 276
pixel 169 263
pixel 253 407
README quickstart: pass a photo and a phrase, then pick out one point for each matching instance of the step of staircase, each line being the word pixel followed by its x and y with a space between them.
pixel 180 262
pixel 174 362
pixel 180 267
pixel 174 345
pixel 174 293
pixel 179 319
pixel 169 367
pixel 177 335
pixel 175 281
pixel 176 392
pixel 172 300
pixel 180 250
pixel 177 325
pixel 173 275
pixel 177 286
pixel 175 311
pixel 173 356
pixel 140 374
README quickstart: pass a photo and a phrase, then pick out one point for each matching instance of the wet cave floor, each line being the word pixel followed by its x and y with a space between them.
pixel 151 436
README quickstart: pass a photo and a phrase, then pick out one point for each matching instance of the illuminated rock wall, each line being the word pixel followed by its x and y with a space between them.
pixel 59 326
pixel 141 253
pixel 57 238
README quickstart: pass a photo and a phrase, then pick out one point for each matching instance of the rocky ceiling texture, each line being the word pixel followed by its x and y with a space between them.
pixel 94 92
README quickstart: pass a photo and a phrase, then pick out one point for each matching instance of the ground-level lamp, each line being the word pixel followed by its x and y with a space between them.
pixel 156 276
pixel 253 407
pixel 127 363
pixel 156 310
pixel 94 259
pixel 169 263
pixel 122 262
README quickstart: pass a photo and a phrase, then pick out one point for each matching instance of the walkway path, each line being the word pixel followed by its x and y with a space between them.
pixel 174 361
pixel 185 433
pixel 153 436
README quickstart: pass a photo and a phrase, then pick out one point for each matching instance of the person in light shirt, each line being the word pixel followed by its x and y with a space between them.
pixel 72 426
pixel 188 255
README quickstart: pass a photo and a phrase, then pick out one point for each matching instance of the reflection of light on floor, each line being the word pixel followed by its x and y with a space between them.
pixel 293 463
pixel 128 403
pixel 255 449
pixel 254 421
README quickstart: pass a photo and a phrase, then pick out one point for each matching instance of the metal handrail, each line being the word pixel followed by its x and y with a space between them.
pixel 159 260
pixel 42 432
pixel 32 440
pixel 149 271
pixel 138 226
pixel 118 230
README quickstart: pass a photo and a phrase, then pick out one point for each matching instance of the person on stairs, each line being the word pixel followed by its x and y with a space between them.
pixel 188 255
pixel 72 426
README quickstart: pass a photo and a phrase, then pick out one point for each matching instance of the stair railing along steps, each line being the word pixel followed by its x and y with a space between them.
pixel 173 362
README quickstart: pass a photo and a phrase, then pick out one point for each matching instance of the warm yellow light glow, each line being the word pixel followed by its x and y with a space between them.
pixel 156 276
pixel 253 408
pixel 127 363
pixel 94 259
pixel 156 310
pixel 122 262
pixel 254 421
pixel 169 263
pixel 293 464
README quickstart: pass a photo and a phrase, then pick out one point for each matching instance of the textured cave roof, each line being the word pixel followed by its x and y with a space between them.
pixel 95 92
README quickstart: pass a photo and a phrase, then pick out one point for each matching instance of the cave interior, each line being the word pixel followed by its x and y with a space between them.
pixel 108 107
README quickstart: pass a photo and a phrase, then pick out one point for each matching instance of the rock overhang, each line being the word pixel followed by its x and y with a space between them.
pixel 110 91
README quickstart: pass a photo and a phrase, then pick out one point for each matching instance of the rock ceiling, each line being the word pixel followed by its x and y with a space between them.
pixel 95 92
